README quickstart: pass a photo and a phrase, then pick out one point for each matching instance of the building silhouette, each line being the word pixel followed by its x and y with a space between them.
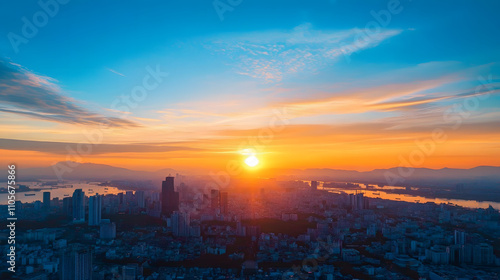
pixel 482 254
pixel 358 202
pixel 139 196
pixel 76 264
pixel 214 199
pixel 107 229
pixel 460 237
pixel 46 200
pixel 78 206
pixel 169 197
pixel 180 223
pixel 95 209
pixel 67 205
pixel 223 203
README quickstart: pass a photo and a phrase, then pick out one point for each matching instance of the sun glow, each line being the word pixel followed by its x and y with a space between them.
pixel 252 161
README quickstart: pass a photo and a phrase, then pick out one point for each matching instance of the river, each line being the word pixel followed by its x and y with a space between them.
pixel 60 192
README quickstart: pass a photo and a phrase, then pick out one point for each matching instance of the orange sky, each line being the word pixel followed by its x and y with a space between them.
pixel 358 147
pixel 302 107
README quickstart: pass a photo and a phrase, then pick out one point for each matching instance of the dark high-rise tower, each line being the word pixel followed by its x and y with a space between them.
pixel 95 208
pixel 139 197
pixel 169 197
pixel 68 205
pixel 314 185
pixel 223 203
pixel 78 205
pixel 214 199
pixel 76 264
pixel 46 200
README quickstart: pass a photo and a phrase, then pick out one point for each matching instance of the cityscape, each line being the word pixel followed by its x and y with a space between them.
pixel 279 230
pixel 250 140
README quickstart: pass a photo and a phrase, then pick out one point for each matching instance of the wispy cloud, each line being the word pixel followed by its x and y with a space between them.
pixel 275 55
pixel 25 93
pixel 60 147
pixel 114 71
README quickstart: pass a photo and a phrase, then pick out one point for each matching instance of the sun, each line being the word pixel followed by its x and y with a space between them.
pixel 252 161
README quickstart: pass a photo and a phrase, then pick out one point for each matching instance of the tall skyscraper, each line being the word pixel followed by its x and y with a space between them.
pixel 456 254
pixel 482 254
pixel 107 229
pixel 180 223
pixel 46 200
pixel 214 199
pixel 358 202
pixel 460 237
pixel 78 205
pixel 314 185
pixel 139 196
pixel 68 205
pixel 223 203
pixel 55 202
pixel 129 197
pixel 169 197
pixel 95 209
pixel 76 264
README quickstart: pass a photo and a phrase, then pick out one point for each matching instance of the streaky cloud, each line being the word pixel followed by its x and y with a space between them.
pixel 62 147
pixel 23 92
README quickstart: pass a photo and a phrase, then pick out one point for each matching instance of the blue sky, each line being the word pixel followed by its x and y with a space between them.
pixel 87 37
pixel 227 74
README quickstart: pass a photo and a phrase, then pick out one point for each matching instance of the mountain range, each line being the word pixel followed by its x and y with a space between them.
pixel 481 176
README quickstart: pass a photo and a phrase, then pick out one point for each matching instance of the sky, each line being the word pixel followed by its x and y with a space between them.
pixel 345 84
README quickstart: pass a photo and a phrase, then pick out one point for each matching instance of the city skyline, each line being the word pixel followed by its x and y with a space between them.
pixel 252 233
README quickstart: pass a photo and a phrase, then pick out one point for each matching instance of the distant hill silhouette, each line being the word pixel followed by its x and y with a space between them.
pixel 484 176
pixel 481 176
pixel 90 172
